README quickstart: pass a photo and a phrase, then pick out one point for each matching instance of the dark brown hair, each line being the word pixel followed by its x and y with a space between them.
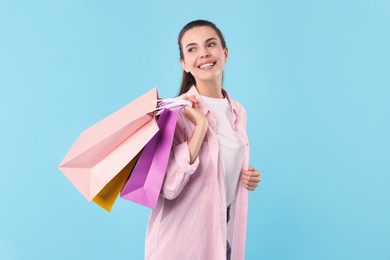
pixel 188 80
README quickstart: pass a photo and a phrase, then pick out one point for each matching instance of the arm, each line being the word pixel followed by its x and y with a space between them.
pixel 184 159
pixel 201 124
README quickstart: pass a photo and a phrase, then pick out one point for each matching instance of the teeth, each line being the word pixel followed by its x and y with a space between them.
pixel 206 65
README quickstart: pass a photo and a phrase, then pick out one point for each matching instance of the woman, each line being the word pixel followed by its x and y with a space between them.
pixel 202 210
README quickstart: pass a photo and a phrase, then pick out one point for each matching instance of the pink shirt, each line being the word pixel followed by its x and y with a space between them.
pixel 189 221
pixel 231 150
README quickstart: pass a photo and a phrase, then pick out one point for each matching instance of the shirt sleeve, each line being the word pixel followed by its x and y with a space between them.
pixel 179 168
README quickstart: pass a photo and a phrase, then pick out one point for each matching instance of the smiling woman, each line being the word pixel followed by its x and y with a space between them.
pixel 204 57
pixel 188 78
pixel 202 210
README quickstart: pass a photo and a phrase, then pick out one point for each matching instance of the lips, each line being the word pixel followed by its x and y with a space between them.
pixel 207 65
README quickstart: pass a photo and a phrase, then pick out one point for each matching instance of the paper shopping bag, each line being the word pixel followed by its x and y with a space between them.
pixel 144 184
pixel 108 195
pixel 103 150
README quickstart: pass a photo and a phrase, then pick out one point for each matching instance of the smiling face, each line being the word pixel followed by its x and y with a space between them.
pixel 203 54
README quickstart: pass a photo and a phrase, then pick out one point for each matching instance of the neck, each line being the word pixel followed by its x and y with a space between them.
pixel 210 88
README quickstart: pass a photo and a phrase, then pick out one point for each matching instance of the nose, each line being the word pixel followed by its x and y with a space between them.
pixel 204 53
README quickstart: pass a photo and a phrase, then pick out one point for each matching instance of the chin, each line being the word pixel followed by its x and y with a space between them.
pixel 208 77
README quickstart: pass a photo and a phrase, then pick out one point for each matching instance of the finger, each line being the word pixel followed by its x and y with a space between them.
pixel 249 187
pixel 250 178
pixel 255 180
pixel 193 99
pixel 251 181
pixel 195 103
pixel 256 174
pixel 251 173
pixel 247 173
pixel 245 177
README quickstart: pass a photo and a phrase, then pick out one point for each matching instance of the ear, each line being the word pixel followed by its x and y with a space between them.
pixel 226 52
pixel 184 65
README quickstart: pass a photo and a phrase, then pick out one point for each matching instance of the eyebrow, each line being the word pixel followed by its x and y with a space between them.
pixel 209 39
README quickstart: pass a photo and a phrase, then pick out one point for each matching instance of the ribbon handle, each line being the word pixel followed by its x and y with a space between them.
pixel 169 103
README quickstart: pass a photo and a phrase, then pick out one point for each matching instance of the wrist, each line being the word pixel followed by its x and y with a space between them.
pixel 201 126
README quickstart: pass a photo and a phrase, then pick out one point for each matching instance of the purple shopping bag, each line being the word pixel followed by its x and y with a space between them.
pixel 144 185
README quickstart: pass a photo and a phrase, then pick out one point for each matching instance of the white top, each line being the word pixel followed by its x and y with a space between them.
pixel 231 150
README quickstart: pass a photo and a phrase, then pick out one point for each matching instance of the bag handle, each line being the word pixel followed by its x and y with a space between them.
pixel 170 103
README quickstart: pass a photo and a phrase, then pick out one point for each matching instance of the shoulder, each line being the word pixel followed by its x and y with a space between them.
pixel 237 108
pixel 236 105
pixel 240 108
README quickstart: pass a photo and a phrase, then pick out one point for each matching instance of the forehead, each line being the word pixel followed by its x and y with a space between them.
pixel 198 35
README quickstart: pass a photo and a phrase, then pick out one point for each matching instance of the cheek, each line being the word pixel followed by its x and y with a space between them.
pixel 190 60
pixel 220 55
pixel 222 60
pixel 187 62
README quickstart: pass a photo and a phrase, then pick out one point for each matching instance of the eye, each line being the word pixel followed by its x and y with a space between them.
pixel 212 44
pixel 191 49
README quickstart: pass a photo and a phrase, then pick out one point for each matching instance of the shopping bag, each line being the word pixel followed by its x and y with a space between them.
pixel 108 195
pixel 109 148
pixel 144 184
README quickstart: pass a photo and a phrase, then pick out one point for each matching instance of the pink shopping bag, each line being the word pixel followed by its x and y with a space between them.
pixel 108 148
pixel 144 184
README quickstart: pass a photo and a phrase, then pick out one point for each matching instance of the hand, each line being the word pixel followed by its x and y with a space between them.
pixel 250 178
pixel 200 121
pixel 194 114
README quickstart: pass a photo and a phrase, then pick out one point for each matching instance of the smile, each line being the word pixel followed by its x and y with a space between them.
pixel 206 65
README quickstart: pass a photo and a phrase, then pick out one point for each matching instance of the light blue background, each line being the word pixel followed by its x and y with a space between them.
pixel 314 77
